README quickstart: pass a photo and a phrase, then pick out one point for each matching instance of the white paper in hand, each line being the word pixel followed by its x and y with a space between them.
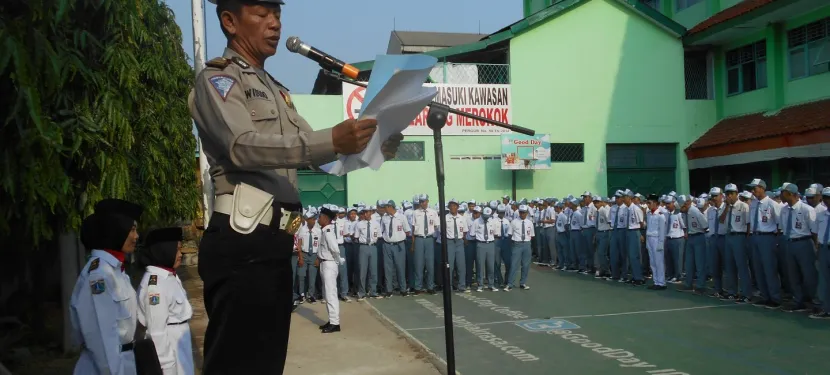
pixel 395 105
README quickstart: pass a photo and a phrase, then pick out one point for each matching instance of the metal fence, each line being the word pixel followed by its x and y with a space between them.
pixel 457 73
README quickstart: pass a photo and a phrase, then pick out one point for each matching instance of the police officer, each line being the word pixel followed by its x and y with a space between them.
pixel 103 303
pixel 254 139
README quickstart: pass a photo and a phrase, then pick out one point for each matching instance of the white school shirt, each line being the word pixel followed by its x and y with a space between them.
pixel 549 214
pixel 329 249
pixel 714 219
pixel 635 217
pixel 505 227
pixel 409 213
pixel 310 244
pixel 622 217
pixel 561 221
pixel 339 226
pixel 400 227
pixel 163 308
pixel 456 227
pixel 516 230
pixel 493 229
pixel 589 218
pixel 765 213
pixel 803 223
pixel 820 229
pixel 656 227
pixel 676 226
pixel 603 218
pixel 366 236
pixel 738 217
pixel 612 215
pixel 102 311
pixel 420 217
pixel 576 220
pixel 351 228
pixel 698 223
pixel 470 234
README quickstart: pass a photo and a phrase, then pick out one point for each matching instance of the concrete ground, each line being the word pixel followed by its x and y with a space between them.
pixel 367 345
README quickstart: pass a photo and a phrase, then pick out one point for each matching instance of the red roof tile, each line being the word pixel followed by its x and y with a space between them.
pixel 791 120
pixel 727 14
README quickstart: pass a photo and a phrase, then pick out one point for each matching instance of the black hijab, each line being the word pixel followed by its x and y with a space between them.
pixel 160 247
pixel 109 226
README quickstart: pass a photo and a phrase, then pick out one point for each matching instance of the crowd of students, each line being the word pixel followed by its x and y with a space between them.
pixel 767 248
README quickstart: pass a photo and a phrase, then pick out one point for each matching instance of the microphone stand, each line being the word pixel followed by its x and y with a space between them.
pixel 436 119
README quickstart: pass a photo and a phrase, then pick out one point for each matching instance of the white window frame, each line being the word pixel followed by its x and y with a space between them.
pixel 758 58
pixel 821 41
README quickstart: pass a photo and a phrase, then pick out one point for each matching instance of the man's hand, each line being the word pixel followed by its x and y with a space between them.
pixel 352 136
pixel 390 147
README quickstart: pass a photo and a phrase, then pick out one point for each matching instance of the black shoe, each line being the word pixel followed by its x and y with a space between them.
pixel 795 308
pixel 331 329
pixel 431 291
pixel 324 326
pixel 772 305
pixel 311 300
pixel 404 294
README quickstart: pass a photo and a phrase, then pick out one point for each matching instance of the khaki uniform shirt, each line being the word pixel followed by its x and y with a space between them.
pixel 251 131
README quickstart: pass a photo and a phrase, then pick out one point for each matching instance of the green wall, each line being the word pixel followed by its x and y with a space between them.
pixel 621 81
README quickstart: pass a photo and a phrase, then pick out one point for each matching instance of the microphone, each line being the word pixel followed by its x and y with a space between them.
pixel 325 60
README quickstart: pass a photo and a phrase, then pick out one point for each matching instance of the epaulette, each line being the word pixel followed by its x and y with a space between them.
pixel 238 61
pixel 219 63
pixel 277 82
pixel 94 265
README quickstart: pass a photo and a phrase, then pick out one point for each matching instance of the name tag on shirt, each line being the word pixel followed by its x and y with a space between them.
pixel 400 228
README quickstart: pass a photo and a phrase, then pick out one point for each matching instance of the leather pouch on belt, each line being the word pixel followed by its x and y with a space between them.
pixel 250 206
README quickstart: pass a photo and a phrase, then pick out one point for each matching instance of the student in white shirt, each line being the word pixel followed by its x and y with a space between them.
pixel 395 230
pixel 822 231
pixel 735 218
pixel 676 241
pixel 656 229
pixel 603 236
pixel 576 248
pixel 352 249
pixel 309 234
pixel 425 221
pixel 695 262
pixel 473 214
pixel 330 261
pixel 488 229
pixel 763 226
pixel 367 233
pixel 339 225
pixel 503 247
pixel 562 238
pixel 798 223
pixel 456 231
pixel 522 232
pixel 634 238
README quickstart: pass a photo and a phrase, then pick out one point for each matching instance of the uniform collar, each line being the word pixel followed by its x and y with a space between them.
pixel 108 258
pixel 231 54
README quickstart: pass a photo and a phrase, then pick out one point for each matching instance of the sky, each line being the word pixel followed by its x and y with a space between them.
pixel 352 35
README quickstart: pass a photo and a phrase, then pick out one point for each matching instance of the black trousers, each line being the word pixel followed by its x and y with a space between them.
pixel 248 298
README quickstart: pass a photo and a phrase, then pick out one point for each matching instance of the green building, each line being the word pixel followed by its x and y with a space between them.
pixel 653 95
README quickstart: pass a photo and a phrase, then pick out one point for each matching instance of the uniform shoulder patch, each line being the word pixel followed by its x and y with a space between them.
pixel 238 61
pixel 222 84
pixel 155 299
pixel 97 286
pixel 219 63
pixel 154 280
pixel 94 265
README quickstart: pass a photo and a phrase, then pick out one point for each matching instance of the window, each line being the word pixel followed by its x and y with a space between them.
pixel 746 68
pixel 809 49
pixel 410 151
pixel 652 3
pixel 696 69
pixel 683 4
pixel 567 152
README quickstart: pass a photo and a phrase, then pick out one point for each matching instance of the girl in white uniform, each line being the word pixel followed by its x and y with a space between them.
pixel 162 302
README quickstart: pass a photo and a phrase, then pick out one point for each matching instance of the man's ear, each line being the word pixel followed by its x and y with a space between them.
pixel 229 22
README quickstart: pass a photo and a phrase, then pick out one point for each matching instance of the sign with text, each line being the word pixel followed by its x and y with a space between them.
pixel 519 151
pixel 488 101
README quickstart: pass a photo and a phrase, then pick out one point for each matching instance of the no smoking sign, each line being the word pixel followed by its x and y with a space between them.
pixel 355 101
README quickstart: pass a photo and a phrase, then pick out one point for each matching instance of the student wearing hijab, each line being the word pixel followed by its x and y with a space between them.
pixel 103 303
pixel 162 301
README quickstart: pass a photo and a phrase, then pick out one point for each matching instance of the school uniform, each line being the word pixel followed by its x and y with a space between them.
pixel 603 237
pixel 675 245
pixel 486 233
pixel 799 224
pixel 736 263
pixel 549 251
pixel 695 259
pixel 562 241
pixel 633 243
pixel 395 230
pixel 589 232
pixel 165 311
pixel 522 233
pixel 367 234
pixel 577 248
pixel 339 229
pixel 308 272
pixel 764 217
pixel 656 229
pixel 456 260
pixel 423 231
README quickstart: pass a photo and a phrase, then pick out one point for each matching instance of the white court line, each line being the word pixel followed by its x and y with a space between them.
pixel 589 316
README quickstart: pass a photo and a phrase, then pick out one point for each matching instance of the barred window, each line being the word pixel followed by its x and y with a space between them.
pixel 410 151
pixel 696 69
pixel 746 68
pixel 809 49
pixel 683 4
pixel 567 152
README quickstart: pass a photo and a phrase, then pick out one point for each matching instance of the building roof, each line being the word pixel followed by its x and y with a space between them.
pixel 730 13
pixel 790 120
pixel 433 39
pixel 556 9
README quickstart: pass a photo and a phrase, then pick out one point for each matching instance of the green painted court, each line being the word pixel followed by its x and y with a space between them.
pixel 574 324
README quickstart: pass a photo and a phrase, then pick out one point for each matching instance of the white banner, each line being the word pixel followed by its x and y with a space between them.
pixel 488 101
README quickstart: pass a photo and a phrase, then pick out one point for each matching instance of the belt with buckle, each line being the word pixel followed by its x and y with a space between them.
pixel 179 323
pixel 799 239
pixel 288 221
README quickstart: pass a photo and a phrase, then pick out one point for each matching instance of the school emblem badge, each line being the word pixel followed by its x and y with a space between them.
pixel 155 299
pixel 97 286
